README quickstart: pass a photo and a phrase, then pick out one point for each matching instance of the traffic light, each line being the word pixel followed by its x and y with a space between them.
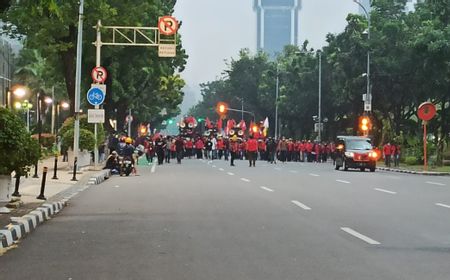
pixel 170 121
pixel 222 108
pixel 200 119
pixel 365 124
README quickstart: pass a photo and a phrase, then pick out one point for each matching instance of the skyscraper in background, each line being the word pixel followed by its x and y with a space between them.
pixel 277 24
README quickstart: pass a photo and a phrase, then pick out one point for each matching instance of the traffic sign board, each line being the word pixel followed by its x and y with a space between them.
pixel 99 74
pixel 96 115
pixel 167 25
pixel 96 96
pixel 426 111
pixel 167 50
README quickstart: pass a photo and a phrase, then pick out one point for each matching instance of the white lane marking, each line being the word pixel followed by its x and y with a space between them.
pixel 221 169
pixel 230 173
pixel 266 189
pixel 209 162
pixel 153 168
pixel 116 186
pixel 245 180
pixel 293 171
pixel 342 181
pixel 314 175
pixel 385 191
pixel 435 183
pixel 301 205
pixel 360 236
pixel 213 166
pixel 443 205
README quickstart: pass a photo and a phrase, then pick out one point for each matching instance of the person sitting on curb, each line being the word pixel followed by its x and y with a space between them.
pixel 112 163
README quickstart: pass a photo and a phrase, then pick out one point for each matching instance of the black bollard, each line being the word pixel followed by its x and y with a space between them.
pixel 44 176
pixel 16 190
pixel 35 171
pixel 55 168
pixel 74 178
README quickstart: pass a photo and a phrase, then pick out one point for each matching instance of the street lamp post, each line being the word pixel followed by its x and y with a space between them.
pixel 276 103
pixel 368 99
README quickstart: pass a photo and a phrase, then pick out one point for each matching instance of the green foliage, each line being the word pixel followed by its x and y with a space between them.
pixel 87 140
pixel 138 78
pixel 411 160
pixel 17 149
pixel 66 133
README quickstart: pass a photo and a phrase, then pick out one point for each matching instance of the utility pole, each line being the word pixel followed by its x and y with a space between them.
pixel 76 136
pixel 320 96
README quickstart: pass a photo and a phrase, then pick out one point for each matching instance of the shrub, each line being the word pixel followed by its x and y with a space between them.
pixel 17 149
pixel 411 160
pixel 87 140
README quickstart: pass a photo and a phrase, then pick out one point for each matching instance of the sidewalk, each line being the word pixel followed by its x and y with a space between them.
pixel 30 187
pixel 402 170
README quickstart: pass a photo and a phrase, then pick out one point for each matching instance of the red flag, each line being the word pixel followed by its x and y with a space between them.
pixel 242 125
pixel 208 123
pixel 219 124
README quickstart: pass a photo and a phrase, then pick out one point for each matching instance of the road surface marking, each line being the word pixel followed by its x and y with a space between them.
pixel 231 174
pixel 116 186
pixel 221 169
pixel 301 205
pixel 293 171
pixel 213 166
pixel 153 168
pixel 385 191
pixel 267 189
pixel 342 181
pixel 443 205
pixel 435 183
pixel 360 236
pixel 314 175
pixel 209 162
pixel 245 180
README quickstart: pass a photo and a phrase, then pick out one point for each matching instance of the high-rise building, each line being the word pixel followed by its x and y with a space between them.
pixel 277 24
pixel 6 63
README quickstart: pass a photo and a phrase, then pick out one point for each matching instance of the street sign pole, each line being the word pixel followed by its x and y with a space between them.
pixel 76 136
pixel 98 45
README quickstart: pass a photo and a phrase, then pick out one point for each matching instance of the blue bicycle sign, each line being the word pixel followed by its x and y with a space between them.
pixel 95 96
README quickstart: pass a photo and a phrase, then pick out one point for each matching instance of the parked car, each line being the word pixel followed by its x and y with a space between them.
pixel 355 152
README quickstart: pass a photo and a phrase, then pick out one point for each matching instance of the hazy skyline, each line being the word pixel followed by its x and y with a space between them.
pixel 214 31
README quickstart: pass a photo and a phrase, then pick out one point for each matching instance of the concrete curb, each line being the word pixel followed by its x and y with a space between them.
pixel 22 226
pixel 426 173
pixel 100 177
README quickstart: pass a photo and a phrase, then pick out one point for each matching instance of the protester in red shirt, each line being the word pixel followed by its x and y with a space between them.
pixel 189 145
pixel 387 151
pixel 252 149
pixel 199 145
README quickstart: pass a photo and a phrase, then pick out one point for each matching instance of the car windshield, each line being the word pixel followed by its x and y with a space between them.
pixel 359 145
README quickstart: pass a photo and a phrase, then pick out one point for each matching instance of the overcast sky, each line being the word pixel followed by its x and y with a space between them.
pixel 215 30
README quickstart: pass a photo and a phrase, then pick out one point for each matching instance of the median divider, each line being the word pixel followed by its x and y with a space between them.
pixel 427 173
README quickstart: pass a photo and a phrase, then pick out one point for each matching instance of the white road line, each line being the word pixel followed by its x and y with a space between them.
pixel 342 181
pixel 221 169
pixel 245 180
pixel 153 168
pixel 314 175
pixel 231 174
pixel 443 205
pixel 293 171
pixel 213 166
pixel 266 189
pixel 360 236
pixel 116 186
pixel 209 162
pixel 301 205
pixel 385 191
pixel 435 183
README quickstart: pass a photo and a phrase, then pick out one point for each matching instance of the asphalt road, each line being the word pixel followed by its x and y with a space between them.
pixel 205 220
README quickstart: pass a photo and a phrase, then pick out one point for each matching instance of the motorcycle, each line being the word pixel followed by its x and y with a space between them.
pixel 126 166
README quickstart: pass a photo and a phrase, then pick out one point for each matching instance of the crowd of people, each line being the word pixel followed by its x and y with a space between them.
pixel 163 149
